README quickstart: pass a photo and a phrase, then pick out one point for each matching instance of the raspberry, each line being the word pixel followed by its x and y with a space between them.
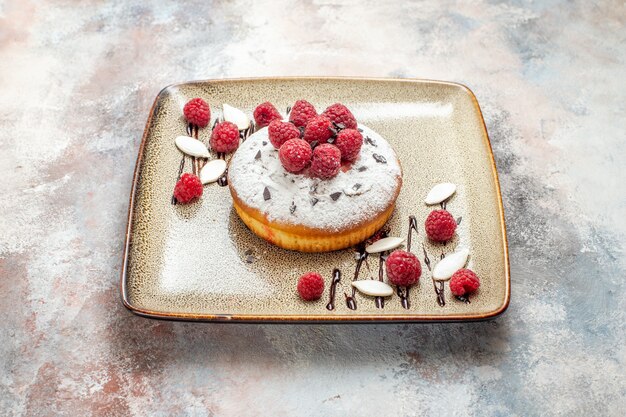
pixel 197 112
pixel 340 114
pixel 403 268
pixel 225 137
pixel 440 225
pixel 464 281
pixel 295 155
pixel 187 188
pixel 311 286
pixel 318 129
pixel 301 112
pixel 265 113
pixel 326 161
pixel 349 142
pixel 280 132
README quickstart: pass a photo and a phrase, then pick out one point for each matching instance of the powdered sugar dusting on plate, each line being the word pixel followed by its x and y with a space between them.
pixel 363 191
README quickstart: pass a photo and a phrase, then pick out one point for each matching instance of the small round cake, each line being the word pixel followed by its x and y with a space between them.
pixel 307 214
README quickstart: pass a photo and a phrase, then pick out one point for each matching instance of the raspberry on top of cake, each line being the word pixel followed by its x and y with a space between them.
pixel 368 184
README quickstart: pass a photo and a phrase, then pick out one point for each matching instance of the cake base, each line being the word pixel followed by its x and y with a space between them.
pixel 303 239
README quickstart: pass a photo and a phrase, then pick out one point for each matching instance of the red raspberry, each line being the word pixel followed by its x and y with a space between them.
pixel 225 137
pixel 464 281
pixel 301 112
pixel 403 268
pixel 187 188
pixel 326 161
pixel 265 113
pixel 340 114
pixel 295 155
pixel 311 286
pixel 440 225
pixel 197 112
pixel 318 129
pixel 349 142
pixel 280 132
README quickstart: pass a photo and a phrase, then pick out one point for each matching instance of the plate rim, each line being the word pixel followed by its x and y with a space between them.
pixel 312 318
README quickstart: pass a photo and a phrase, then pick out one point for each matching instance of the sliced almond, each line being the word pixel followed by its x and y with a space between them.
pixel 236 116
pixel 440 192
pixel 446 267
pixel 192 147
pixel 385 244
pixel 212 171
pixel 373 288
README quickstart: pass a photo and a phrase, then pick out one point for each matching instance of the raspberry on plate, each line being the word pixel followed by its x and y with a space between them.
pixel 339 114
pixel 403 268
pixel 280 132
pixel 319 129
pixel 197 112
pixel 463 282
pixel 225 137
pixel 326 161
pixel 311 286
pixel 301 112
pixel 265 113
pixel 440 225
pixel 295 155
pixel 349 142
pixel 187 188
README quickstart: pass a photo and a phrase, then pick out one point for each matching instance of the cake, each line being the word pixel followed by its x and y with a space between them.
pixel 300 212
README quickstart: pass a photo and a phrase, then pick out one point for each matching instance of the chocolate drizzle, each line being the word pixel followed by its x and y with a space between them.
pixel 438 285
pixel 333 289
pixel 412 227
pixel 223 180
pixel 380 301
pixel 464 298
pixel 180 172
pixel 350 300
pixel 403 293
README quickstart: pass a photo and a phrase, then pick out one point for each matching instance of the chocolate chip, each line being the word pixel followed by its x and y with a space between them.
pixel 339 126
pixel 370 141
pixel 314 201
pixel 361 169
pixel 331 139
pixel 332 130
pixel 458 220
pixel 379 158
pixel 335 196
pixel 258 155
pixel 314 144
pixel 356 186
pixel 292 209
pixel 266 194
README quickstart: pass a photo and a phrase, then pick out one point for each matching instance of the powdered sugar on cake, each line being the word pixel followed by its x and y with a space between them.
pixel 366 189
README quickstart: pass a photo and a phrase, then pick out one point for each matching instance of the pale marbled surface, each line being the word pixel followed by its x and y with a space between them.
pixel 76 82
